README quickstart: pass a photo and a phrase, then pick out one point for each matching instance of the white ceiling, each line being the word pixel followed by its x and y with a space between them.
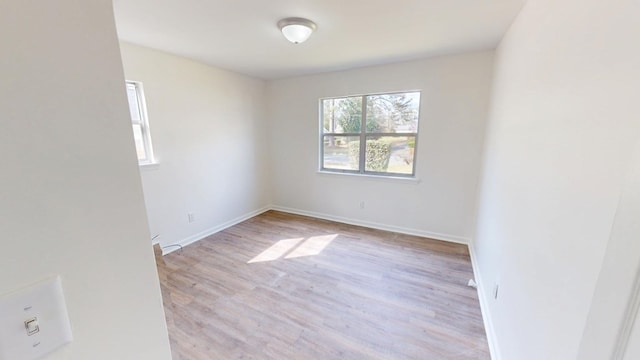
pixel 241 35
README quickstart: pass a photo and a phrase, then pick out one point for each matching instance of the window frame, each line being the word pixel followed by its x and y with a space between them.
pixel 363 134
pixel 144 121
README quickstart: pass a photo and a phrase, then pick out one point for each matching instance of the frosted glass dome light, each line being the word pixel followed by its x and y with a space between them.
pixel 296 30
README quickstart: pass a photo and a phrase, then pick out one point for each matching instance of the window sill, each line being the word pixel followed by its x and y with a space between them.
pixel 413 180
pixel 149 166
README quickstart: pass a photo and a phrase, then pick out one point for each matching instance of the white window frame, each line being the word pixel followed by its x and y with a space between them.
pixel 143 120
pixel 363 137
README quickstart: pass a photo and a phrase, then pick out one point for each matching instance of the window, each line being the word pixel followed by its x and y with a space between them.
pixel 140 123
pixel 370 134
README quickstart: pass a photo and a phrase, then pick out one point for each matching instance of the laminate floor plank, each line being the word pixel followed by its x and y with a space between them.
pixel 282 286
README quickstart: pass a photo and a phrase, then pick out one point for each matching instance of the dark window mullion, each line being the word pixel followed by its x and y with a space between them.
pixel 341 134
pixel 372 134
pixel 363 135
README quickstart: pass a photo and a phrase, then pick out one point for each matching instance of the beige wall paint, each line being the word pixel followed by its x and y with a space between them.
pixel 71 202
pixel 210 132
pixel 455 95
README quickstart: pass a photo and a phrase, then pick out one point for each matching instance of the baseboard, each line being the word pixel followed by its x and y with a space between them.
pixel 484 307
pixel 402 230
pixel 379 226
pixel 203 234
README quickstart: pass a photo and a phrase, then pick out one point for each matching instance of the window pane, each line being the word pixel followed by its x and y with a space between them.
pixel 341 152
pixel 393 113
pixel 132 96
pixel 342 115
pixel 137 136
pixel 390 154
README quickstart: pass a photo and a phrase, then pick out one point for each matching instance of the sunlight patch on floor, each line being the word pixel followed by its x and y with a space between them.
pixel 312 246
pixel 276 250
pixel 294 248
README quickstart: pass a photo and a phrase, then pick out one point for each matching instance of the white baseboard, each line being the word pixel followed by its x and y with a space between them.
pixel 203 234
pixel 379 226
pixel 402 230
pixel 484 307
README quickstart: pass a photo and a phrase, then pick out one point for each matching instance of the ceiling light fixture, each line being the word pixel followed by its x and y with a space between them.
pixel 296 30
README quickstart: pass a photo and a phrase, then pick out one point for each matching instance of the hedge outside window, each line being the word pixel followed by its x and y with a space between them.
pixel 370 134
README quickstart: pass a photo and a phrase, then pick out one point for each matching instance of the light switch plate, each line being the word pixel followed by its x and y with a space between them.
pixel 44 301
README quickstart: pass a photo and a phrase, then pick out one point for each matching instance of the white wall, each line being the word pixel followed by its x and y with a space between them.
pixel 209 133
pixel 71 202
pixel 633 351
pixel 563 122
pixel 455 91
pixel 612 306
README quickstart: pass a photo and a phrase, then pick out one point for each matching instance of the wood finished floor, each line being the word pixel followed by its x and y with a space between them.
pixel 281 286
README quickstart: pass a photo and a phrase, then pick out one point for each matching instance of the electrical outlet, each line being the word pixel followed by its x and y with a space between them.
pixel 191 217
pixel 361 204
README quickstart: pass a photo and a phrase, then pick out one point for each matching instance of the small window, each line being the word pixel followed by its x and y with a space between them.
pixel 140 122
pixel 370 134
